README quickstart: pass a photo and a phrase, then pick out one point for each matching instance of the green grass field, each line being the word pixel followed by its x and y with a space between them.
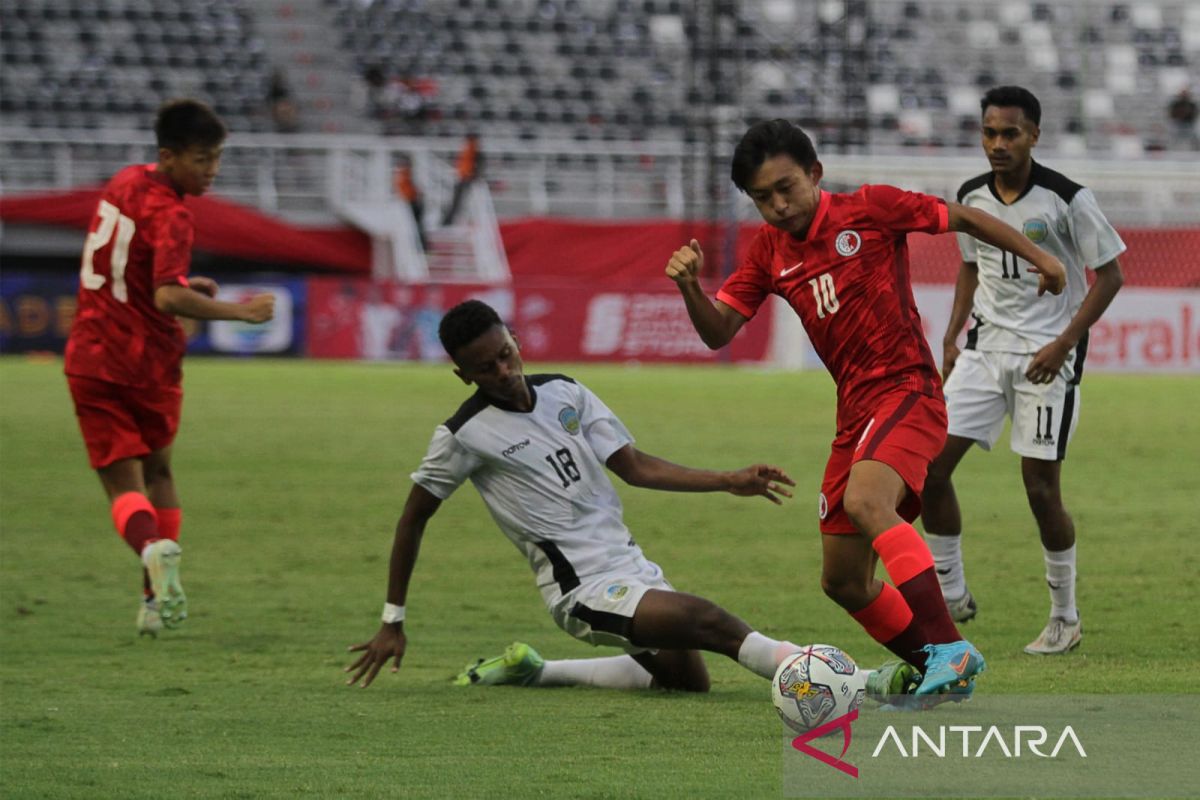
pixel 292 476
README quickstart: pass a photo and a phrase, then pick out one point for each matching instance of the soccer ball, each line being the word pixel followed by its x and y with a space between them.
pixel 818 684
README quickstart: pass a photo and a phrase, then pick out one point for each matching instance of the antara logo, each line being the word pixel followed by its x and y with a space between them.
pixel 521 445
pixel 801 743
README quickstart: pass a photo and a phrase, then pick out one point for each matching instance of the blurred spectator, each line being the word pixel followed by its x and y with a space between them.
pixel 467 170
pixel 1183 112
pixel 407 190
pixel 284 115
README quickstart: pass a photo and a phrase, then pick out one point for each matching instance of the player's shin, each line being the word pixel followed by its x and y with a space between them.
pixel 135 520
pixel 890 621
pixel 910 565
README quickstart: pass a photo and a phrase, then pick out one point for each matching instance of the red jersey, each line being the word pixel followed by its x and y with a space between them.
pixel 848 280
pixel 140 239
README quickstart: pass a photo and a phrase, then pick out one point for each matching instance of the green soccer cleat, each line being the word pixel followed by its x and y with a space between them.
pixel 518 665
pixel 892 679
pixel 162 562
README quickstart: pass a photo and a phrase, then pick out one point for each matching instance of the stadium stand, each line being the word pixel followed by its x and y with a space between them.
pixel 865 75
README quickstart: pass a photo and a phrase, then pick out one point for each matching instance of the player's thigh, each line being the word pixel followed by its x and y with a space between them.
pixel 911 435
pixel 977 395
pixel 1045 416
pixel 108 422
pixel 157 412
pixel 600 611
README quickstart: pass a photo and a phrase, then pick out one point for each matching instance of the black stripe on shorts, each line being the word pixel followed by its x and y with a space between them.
pixel 564 573
pixel 604 621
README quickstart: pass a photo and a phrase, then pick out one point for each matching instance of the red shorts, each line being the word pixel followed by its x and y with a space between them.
pixel 124 421
pixel 906 432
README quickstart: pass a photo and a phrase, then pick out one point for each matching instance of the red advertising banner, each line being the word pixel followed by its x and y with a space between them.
pixel 358 318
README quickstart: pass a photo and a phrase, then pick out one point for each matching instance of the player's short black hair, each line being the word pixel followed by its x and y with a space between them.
pixel 181 124
pixel 766 139
pixel 1013 96
pixel 465 323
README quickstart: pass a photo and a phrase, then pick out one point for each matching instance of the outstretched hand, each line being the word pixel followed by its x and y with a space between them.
pixel 389 642
pixel 686 263
pixel 761 479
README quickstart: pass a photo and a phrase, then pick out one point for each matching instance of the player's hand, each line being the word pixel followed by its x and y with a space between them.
pixel 1047 362
pixel 203 285
pixel 390 642
pixel 1052 275
pixel 686 264
pixel 259 308
pixel 761 479
pixel 950 354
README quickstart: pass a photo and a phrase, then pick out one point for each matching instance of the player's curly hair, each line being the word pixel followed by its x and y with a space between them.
pixel 181 124
pixel 766 139
pixel 465 323
pixel 1013 96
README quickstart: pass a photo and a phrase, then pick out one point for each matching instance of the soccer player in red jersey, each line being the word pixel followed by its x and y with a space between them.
pixel 841 262
pixel 124 351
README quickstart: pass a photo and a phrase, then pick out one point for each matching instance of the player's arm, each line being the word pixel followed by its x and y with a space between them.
pixel 1052 275
pixel 390 641
pixel 1049 360
pixel 185 301
pixel 964 299
pixel 716 322
pixel 651 472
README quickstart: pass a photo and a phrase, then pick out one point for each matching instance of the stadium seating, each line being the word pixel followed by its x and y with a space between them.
pixel 865 76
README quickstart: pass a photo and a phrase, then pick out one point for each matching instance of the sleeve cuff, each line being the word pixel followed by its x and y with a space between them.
pixel 735 304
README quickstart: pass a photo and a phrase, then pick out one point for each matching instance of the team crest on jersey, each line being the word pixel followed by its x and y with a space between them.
pixel 1035 230
pixel 822 506
pixel 848 242
pixel 568 417
pixel 616 591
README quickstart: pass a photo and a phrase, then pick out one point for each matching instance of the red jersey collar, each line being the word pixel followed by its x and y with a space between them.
pixel 819 217
pixel 153 174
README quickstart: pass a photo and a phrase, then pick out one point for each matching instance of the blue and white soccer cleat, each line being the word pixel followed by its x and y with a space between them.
pixel 951 668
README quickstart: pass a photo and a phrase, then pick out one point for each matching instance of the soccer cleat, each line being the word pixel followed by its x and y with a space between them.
pixel 519 665
pixel 962 609
pixel 149 621
pixel 949 665
pixel 1058 637
pixel 892 679
pixel 162 562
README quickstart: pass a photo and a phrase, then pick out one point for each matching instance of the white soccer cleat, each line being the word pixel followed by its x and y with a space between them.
pixel 149 621
pixel 1058 637
pixel 162 562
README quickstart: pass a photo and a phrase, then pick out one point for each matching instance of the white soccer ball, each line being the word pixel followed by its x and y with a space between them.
pixel 815 685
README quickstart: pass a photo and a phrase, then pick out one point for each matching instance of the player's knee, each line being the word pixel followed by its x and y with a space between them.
pixel 687 680
pixel 845 592
pixel 1044 497
pixel 866 510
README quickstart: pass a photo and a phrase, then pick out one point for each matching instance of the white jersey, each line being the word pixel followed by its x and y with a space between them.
pixel 1057 215
pixel 542 476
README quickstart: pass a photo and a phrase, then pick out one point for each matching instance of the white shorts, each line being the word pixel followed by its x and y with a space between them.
pixel 984 387
pixel 600 610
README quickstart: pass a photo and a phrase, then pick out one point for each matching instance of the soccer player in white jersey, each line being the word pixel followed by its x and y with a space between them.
pixel 1024 352
pixel 536 448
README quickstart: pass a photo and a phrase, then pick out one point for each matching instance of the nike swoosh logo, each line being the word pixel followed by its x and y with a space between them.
pixel 946 571
pixel 961 665
pixel 783 273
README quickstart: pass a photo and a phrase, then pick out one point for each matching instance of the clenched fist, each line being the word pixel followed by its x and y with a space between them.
pixel 686 264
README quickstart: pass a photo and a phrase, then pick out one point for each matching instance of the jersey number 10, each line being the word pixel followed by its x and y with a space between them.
pixel 111 219
pixel 824 294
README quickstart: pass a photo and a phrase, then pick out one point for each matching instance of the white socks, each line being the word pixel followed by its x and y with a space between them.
pixel 615 672
pixel 1060 577
pixel 762 655
pixel 948 563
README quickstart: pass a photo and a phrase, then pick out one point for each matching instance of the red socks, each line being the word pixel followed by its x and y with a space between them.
pixel 169 522
pixel 135 520
pixel 890 622
pixel 910 565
